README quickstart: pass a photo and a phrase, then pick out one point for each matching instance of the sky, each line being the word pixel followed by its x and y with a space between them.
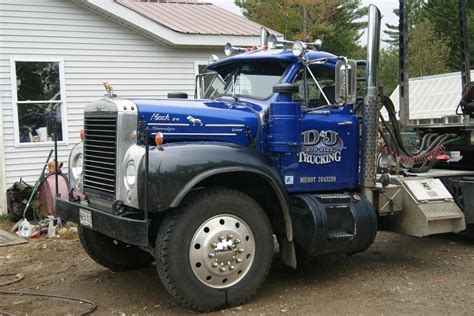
pixel 386 8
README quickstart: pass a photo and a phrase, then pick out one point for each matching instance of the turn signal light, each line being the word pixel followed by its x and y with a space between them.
pixel 159 139
pixel 81 134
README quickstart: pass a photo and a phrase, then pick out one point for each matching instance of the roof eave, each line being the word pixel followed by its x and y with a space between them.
pixel 158 32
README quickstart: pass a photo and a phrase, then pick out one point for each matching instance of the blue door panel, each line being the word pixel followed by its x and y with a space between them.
pixel 329 158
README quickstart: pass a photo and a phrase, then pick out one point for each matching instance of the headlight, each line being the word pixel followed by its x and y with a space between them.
pixel 130 174
pixel 298 49
pixel 76 167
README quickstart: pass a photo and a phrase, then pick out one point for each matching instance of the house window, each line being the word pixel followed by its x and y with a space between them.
pixel 200 67
pixel 453 119
pixel 38 98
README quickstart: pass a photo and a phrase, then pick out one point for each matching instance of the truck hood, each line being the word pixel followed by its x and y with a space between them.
pixel 199 120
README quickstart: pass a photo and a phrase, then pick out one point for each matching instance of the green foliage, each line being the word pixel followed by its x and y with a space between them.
pixel 428 52
pixel 444 16
pixel 389 70
pixel 433 27
pixel 413 9
pixel 5 218
pixel 424 41
pixel 334 21
pixel 470 32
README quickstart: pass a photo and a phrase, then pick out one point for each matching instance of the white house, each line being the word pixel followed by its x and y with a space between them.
pixel 55 54
pixel 433 99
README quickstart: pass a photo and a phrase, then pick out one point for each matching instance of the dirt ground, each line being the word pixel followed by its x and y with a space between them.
pixel 397 275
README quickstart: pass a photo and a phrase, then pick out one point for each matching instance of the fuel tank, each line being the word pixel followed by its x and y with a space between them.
pixel 332 223
pixel 195 120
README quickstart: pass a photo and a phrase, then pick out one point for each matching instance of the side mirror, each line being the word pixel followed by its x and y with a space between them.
pixel 346 82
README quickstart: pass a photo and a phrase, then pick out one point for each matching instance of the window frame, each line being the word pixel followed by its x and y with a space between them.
pixel 198 63
pixel 307 80
pixel 62 101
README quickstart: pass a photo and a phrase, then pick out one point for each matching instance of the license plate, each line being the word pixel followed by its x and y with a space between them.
pixel 85 217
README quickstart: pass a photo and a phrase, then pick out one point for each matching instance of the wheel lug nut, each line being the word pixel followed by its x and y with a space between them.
pixel 241 250
pixel 230 236
pixel 231 268
pixel 211 255
pixel 214 244
pixel 228 263
pixel 222 269
pixel 214 264
pixel 237 241
pixel 238 260
pixel 221 238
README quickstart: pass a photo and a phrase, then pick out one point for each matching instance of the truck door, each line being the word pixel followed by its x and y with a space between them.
pixel 329 157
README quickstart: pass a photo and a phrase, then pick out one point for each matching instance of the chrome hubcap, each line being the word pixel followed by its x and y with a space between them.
pixel 222 251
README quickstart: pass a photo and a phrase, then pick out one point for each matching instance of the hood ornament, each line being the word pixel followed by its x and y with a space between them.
pixel 194 121
pixel 109 90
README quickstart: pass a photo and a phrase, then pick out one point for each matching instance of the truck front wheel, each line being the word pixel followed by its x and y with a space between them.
pixel 113 254
pixel 215 251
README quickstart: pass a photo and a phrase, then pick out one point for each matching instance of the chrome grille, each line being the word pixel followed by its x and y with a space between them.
pixel 100 143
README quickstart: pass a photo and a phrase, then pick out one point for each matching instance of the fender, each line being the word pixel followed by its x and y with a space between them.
pixel 177 168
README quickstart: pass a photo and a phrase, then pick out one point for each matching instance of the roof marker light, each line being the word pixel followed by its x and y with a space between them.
pixel 318 43
pixel 212 58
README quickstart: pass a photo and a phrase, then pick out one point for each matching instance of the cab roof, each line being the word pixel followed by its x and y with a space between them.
pixel 277 54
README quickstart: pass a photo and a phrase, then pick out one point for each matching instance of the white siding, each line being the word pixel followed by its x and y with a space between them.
pixel 94 49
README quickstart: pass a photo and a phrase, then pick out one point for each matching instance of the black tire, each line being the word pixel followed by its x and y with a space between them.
pixel 178 229
pixel 113 254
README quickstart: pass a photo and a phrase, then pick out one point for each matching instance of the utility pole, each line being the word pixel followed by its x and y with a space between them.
pixel 305 22
pixel 465 67
pixel 404 94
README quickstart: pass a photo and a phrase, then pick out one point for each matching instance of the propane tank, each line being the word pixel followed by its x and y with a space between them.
pixel 284 123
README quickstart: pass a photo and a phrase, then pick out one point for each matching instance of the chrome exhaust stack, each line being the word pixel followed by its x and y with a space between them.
pixel 264 35
pixel 371 106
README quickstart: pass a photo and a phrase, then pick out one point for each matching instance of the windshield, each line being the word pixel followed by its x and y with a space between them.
pixel 253 78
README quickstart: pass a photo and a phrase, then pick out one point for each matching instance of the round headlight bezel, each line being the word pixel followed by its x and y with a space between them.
pixel 77 166
pixel 130 176
pixel 298 49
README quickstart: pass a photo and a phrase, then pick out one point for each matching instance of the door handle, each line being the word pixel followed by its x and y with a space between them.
pixel 345 123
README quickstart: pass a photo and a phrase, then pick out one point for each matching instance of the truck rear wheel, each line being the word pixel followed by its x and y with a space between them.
pixel 215 251
pixel 112 254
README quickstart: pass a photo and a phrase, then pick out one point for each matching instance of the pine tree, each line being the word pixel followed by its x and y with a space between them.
pixel 333 21
pixel 413 10
pixel 444 16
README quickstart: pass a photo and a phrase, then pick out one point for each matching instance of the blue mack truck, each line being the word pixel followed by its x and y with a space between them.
pixel 271 150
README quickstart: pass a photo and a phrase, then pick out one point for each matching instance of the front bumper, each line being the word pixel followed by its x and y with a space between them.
pixel 128 230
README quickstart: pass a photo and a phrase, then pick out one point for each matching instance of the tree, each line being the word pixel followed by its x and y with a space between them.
pixel 427 55
pixel 413 10
pixel 444 16
pixel 428 51
pixel 334 21
pixel 389 70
